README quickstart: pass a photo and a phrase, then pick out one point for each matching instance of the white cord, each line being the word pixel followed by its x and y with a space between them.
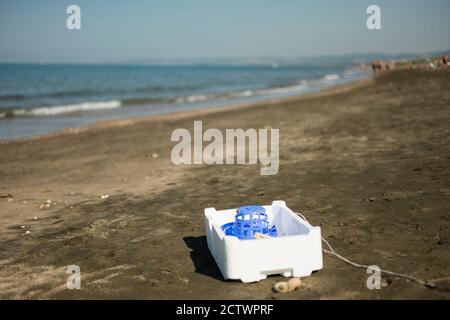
pixel 357 265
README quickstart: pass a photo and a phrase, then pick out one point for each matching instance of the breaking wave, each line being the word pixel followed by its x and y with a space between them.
pixel 332 77
pixel 62 109
pixel 300 86
pixel 114 104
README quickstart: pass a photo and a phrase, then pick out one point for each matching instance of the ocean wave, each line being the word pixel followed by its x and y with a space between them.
pixel 167 88
pixel 114 104
pixel 195 98
pixel 62 109
pixel 55 94
pixel 349 73
pixel 143 101
pixel 12 97
pixel 246 93
pixel 298 87
pixel 332 77
pixel 213 96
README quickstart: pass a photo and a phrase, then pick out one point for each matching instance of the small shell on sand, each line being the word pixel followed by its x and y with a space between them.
pixel 294 284
pixel 46 204
pixel 281 287
pixel 287 286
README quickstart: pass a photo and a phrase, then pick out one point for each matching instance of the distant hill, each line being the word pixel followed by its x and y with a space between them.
pixel 323 60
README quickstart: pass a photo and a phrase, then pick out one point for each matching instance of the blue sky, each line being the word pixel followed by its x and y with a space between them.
pixel 35 31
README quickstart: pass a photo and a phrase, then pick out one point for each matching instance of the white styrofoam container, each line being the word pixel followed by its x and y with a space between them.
pixel 296 252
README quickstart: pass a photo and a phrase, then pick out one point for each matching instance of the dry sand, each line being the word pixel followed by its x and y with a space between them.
pixel 369 163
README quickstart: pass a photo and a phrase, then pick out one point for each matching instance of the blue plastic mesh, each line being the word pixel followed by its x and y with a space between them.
pixel 249 220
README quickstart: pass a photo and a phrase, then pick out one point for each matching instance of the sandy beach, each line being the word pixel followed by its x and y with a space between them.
pixel 369 162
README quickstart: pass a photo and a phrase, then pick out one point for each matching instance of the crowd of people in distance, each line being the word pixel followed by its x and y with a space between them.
pixel 441 63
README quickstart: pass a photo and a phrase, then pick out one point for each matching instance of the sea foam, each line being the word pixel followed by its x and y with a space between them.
pixel 69 108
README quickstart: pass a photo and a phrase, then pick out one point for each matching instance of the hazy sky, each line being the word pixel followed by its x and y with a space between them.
pixel 35 30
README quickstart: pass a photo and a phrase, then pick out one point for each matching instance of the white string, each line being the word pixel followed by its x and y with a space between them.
pixel 357 265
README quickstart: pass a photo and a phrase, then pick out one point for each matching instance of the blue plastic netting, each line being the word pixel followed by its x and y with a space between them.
pixel 249 221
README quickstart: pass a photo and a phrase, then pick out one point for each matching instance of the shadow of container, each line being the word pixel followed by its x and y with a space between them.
pixel 201 257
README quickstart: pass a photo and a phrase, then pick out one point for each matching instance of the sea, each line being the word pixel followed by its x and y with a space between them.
pixel 37 99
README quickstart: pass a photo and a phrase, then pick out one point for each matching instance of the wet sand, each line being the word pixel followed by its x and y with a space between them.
pixel 369 163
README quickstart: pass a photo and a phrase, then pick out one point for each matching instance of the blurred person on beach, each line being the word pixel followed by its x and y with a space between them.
pixel 445 61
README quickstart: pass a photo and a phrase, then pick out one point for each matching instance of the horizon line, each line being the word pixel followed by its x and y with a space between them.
pixel 237 60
